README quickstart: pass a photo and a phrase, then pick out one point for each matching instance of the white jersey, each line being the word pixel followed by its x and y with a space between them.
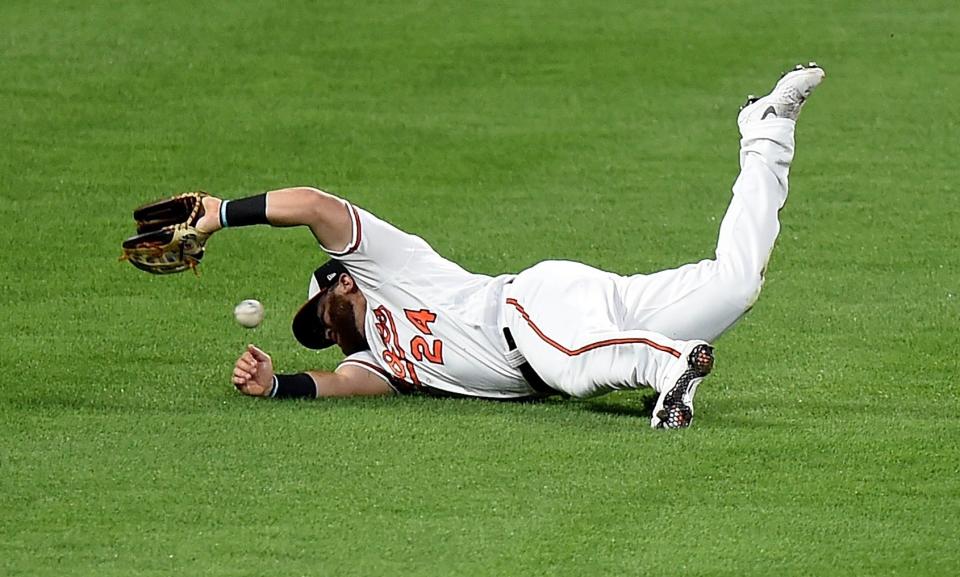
pixel 431 325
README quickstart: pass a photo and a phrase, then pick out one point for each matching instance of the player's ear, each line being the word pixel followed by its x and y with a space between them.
pixel 346 283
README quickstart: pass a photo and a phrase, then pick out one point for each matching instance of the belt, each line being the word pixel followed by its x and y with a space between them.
pixel 529 375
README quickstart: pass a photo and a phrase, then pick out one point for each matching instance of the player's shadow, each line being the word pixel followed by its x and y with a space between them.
pixel 643 409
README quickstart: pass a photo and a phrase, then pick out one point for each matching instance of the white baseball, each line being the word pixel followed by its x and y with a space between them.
pixel 249 313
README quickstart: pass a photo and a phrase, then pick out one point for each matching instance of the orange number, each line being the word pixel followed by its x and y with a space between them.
pixel 421 319
pixel 419 350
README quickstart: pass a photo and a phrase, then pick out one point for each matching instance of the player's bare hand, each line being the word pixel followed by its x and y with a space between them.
pixel 210 221
pixel 253 373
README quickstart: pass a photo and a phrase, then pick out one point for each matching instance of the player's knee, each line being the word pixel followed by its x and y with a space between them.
pixel 748 290
pixel 740 288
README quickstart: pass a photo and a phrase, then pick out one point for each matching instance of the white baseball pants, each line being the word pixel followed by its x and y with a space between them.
pixel 587 332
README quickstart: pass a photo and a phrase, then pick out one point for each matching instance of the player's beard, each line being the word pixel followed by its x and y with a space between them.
pixel 344 321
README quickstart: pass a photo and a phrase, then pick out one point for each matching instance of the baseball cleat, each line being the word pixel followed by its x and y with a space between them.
pixel 787 97
pixel 674 408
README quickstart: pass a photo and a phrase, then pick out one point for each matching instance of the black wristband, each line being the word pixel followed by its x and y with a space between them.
pixel 298 386
pixel 244 211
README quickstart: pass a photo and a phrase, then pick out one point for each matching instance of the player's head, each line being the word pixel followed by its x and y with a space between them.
pixel 329 317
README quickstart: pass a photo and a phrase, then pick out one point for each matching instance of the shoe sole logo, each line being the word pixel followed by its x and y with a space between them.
pixel 770 110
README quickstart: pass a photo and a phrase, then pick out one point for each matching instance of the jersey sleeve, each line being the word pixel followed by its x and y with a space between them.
pixel 368 362
pixel 378 250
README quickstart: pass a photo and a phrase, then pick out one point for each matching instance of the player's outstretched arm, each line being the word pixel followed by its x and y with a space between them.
pixel 253 375
pixel 327 215
pixel 349 381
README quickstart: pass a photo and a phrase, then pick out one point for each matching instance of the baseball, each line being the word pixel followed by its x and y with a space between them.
pixel 249 313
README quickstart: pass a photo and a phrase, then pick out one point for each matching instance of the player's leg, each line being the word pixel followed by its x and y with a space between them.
pixel 563 317
pixel 702 300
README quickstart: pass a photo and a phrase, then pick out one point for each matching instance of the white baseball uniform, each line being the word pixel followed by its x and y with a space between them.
pixel 431 325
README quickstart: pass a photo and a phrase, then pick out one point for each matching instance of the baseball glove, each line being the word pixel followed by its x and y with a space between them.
pixel 167 240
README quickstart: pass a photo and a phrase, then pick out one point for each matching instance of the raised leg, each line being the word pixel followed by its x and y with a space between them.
pixel 702 300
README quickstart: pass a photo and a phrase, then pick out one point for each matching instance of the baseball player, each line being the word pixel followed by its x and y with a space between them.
pixel 409 320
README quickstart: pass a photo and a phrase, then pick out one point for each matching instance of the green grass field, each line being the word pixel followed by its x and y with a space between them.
pixel 827 442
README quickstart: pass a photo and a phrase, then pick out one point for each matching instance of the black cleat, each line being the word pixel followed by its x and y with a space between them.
pixel 674 409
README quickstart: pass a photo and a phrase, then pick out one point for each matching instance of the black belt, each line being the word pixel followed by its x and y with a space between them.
pixel 529 375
